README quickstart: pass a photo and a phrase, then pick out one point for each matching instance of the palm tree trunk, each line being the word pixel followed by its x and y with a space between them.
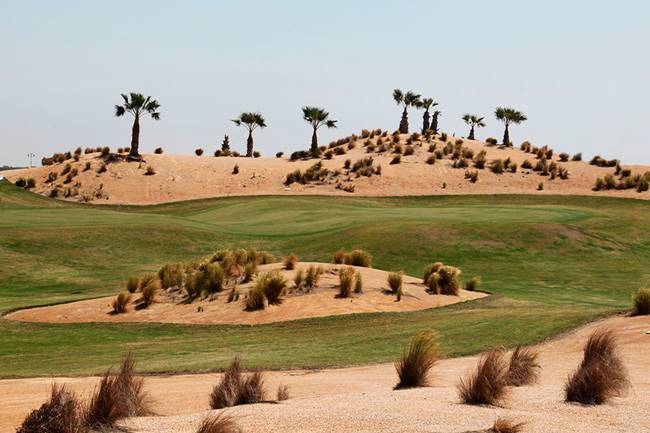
pixel 434 124
pixel 471 134
pixel 135 138
pixel 425 122
pixel 249 144
pixel 404 123
pixel 314 144
pixel 506 136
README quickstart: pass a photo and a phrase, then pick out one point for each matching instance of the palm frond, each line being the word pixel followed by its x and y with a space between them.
pixel 398 96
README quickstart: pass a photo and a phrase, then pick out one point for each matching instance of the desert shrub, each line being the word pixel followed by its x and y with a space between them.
pixel 59 414
pixel 346 281
pixel 480 159
pixel 105 150
pixel 219 423
pixel 409 150
pixel 641 302
pixel 506 425
pixel 51 177
pixel 171 275
pixel 524 368
pixel 117 397
pixel 577 157
pixel 148 290
pixel 198 152
pixel 132 284
pixel 487 384
pixel 512 167
pixel 491 141
pixel 443 136
pixel 497 166
pixel 249 272
pixel 473 284
pixel 299 279
pixel 328 154
pixel 601 374
pixel 233 295
pixel 54 192
pixel 339 257
pixel 66 169
pixel 207 278
pixel 120 302
pixel 395 280
pixel 158 151
pixel 472 175
pixel 540 186
pixel 256 154
pixel 272 285
pixel 432 148
pixel 564 157
pixel 396 159
pixel 30 183
pixel 255 299
pixel 460 163
pixel 289 262
pixel 236 389
pixel 358 258
pixel 442 279
pixel 312 277
pixel 439 154
pixel 418 357
pixel 20 182
pixel 283 393
pixel 358 283
pixel 150 171
pixel 431 160
pixel 87 166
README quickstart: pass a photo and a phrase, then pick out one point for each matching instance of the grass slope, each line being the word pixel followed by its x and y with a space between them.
pixel 555 262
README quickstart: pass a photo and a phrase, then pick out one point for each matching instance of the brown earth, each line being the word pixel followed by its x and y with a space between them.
pixel 183 177
pixel 361 399
pixel 322 301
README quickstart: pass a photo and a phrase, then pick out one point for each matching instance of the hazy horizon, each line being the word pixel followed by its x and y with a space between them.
pixel 577 70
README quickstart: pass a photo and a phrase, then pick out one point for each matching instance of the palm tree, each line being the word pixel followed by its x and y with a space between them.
pixel 137 105
pixel 434 121
pixel 317 117
pixel 251 121
pixel 473 121
pixel 426 104
pixel 509 116
pixel 406 100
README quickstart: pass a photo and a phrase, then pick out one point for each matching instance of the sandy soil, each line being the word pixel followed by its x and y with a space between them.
pixel 191 177
pixel 322 301
pixel 361 399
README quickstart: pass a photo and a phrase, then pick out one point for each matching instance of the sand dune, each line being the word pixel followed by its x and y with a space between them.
pixel 361 399
pixel 190 177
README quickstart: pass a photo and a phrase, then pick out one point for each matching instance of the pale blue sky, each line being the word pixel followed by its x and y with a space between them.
pixel 578 69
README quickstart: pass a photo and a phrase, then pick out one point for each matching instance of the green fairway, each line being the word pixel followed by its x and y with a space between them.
pixel 553 262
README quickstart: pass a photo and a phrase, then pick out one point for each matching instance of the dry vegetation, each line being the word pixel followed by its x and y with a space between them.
pixel 418 357
pixel 219 423
pixel 524 368
pixel 601 374
pixel 487 385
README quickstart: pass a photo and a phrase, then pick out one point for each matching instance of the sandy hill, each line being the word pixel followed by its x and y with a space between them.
pixel 183 177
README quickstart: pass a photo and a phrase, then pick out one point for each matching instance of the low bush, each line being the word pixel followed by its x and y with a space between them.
pixel 30 183
pixel 418 357
pixel 148 292
pixel 491 141
pixel 299 279
pixel 235 169
pixel 577 157
pixel 601 374
pixel 256 154
pixel 358 258
pixel 250 269
pixel 289 262
pixel 487 384
pixel 171 275
pixel 120 302
pixel 273 285
pixel 409 150
pixel 150 171
pixel 395 280
pixel 283 393
pixel 158 151
pixel 641 302
pixel 255 299
pixel 497 166
pixel 506 425
pixel 473 284
pixel 524 368
pixel 312 277
pixel 346 281
pixel 472 175
pixel 442 279
pixel 358 283
pixel 219 423
pixel 397 159
pixel 480 159
pixel 133 284
pixel 237 389
pixel 564 157
pixel 61 413
pixel 431 160
pixel 540 186
pixel 279 154
pixel 198 152
pixel 339 257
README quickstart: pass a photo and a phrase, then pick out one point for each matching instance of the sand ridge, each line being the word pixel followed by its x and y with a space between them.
pixel 361 399
pixel 185 177
pixel 322 301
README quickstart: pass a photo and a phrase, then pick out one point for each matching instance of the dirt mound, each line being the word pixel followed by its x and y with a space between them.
pixel 191 177
pixel 319 302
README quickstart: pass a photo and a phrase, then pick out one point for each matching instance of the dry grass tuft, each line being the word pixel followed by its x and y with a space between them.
pixel 283 393
pixel 290 261
pixel 524 369
pixel 358 258
pixel 487 385
pixel 601 375
pixel 59 414
pixel 641 303
pixel 339 257
pixel 506 425
pixel 236 389
pixel 218 424
pixel 120 302
pixel 418 357
pixel 346 281
pixel 395 280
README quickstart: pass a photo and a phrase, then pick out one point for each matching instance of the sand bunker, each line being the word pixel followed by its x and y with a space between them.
pixel 321 302
pixel 361 399
pixel 191 177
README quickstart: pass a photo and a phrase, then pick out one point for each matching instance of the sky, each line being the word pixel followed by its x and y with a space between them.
pixel 578 69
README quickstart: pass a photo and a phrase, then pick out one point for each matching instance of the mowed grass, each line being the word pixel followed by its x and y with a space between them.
pixel 553 263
